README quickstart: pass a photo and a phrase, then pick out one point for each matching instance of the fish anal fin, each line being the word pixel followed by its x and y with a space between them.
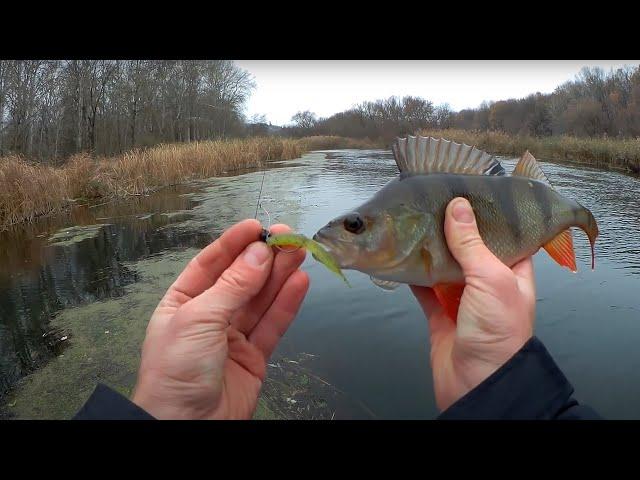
pixel 449 295
pixel 561 250
pixel 528 167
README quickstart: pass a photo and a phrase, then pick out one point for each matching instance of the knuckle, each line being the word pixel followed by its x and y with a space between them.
pixel 471 241
pixel 235 280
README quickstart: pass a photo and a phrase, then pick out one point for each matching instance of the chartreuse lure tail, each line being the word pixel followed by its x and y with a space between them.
pixel 317 251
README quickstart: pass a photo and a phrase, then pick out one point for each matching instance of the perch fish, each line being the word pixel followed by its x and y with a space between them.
pixel 397 236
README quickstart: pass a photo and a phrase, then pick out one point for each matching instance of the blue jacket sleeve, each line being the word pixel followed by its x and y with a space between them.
pixel 106 404
pixel 529 386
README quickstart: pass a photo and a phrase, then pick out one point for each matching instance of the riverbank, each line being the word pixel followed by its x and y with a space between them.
pixel 29 190
pixel 607 153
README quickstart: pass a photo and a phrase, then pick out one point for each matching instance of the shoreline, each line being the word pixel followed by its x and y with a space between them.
pixel 601 153
pixel 30 190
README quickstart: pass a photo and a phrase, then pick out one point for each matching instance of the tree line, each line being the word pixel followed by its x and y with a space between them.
pixel 375 119
pixel 50 109
pixel 595 104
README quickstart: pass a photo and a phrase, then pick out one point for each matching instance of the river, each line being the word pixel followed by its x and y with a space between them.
pixel 76 292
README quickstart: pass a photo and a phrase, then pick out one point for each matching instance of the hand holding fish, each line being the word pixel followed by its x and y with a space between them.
pixel 496 314
pixel 205 352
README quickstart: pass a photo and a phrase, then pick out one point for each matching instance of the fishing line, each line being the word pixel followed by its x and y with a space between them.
pixel 264 235
pixel 260 196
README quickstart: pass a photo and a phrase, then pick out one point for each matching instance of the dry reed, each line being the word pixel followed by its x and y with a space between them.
pixel 29 190
pixel 616 154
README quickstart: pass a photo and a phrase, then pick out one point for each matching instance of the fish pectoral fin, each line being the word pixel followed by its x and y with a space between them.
pixel 449 295
pixel 561 250
pixel 384 284
pixel 427 259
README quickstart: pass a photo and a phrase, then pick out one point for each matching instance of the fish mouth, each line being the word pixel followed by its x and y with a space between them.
pixel 326 240
pixel 335 246
pixel 321 237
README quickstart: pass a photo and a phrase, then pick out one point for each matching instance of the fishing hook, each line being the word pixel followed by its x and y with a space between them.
pixel 265 234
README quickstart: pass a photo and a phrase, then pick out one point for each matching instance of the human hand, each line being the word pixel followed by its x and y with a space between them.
pixel 496 314
pixel 207 343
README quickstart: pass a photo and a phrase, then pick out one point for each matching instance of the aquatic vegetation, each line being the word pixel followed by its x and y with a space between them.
pixel 107 349
pixel 69 236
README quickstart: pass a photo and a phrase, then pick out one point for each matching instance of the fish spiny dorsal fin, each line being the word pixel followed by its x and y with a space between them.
pixel 425 155
pixel 529 167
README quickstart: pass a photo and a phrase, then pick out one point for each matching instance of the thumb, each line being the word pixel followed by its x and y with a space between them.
pixel 464 241
pixel 237 285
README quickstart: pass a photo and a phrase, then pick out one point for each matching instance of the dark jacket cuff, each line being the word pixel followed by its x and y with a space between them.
pixel 106 404
pixel 529 386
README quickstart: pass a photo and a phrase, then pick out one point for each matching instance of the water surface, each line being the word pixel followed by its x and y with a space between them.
pixel 370 344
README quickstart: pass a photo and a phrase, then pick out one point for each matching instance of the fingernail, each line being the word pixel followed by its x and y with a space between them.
pixel 256 254
pixel 462 212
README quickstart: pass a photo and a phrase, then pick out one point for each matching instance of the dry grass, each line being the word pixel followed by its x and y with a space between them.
pixel 29 190
pixel 140 171
pixel 616 154
pixel 333 142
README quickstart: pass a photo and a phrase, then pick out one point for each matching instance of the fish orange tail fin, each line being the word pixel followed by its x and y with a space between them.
pixel 590 227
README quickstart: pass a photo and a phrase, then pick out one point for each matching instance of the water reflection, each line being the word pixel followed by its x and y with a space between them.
pixel 80 265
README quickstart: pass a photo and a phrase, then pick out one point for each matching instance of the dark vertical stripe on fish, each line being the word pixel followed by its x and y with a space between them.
pixel 457 186
pixel 544 204
pixel 504 193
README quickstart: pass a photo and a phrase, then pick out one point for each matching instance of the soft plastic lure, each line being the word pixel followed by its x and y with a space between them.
pixel 300 241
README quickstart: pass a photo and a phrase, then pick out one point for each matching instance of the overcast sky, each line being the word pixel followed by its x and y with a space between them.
pixel 327 87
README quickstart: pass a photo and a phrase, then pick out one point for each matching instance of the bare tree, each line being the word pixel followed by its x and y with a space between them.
pixel 304 120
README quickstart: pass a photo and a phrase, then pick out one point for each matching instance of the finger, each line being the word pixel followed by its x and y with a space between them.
pixel 266 335
pixel 525 276
pixel 438 322
pixel 284 264
pixel 465 243
pixel 234 289
pixel 205 268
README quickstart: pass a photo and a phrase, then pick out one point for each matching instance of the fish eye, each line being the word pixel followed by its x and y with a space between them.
pixel 353 223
